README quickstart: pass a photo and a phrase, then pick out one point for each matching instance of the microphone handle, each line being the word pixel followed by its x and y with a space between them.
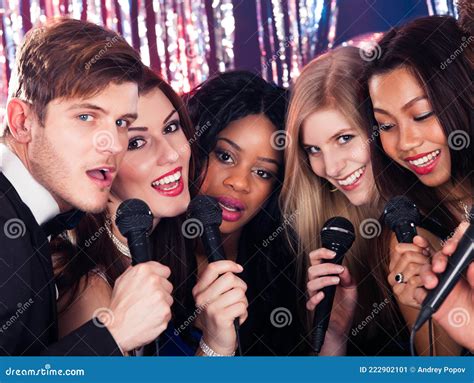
pixel 322 314
pixel 212 242
pixel 139 246
pixel 405 232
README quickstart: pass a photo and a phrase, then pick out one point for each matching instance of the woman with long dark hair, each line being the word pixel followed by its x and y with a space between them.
pixel 240 117
pixel 421 91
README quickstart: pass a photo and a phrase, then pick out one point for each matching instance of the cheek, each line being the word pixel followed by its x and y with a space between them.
pixel 317 166
pixel 261 193
pixel 389 144
pixel 211 179
pixel 131 178
pixel 437 135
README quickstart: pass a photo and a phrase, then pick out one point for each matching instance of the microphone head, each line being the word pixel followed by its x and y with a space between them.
pixel 338 230
pixel 401 209
pixel 206 209
pixel 133 215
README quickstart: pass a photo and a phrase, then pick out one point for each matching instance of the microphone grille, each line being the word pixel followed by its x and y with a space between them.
pixel 401 209
pixel 133 215
pixel 206 209
pixel 340 230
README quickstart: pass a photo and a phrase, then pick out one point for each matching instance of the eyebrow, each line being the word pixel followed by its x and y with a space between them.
pixel 144 128
pixel 404 107
pixel 169 116
pixel 238 148
pixel 132 116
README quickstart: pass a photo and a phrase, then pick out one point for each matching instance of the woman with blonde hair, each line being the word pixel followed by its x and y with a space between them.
pixel 329 173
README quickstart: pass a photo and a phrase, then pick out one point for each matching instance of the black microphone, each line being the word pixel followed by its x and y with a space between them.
pixel 134 221
pixel 457 263
pixel 402 216
pixel 206 210
pixel 337 235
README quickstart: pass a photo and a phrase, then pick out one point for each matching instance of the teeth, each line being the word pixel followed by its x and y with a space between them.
pixel 168 179
pixel 227 207
pixel 424 161
pixel 352 178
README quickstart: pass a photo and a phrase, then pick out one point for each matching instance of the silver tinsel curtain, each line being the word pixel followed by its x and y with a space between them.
pixel 186 40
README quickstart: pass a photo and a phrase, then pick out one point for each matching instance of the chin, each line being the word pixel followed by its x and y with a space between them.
pixel 229 227
pixel 433 181
pixel 360 198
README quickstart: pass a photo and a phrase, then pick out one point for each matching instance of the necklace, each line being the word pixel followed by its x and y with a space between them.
pixel 119 245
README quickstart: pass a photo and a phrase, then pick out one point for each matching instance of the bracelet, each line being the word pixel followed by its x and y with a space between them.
pixel 209 351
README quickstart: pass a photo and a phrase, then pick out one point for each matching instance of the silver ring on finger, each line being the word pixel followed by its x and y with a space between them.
pixel 400 278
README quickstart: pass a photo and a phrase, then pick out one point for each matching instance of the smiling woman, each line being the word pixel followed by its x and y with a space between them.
pixel 422 111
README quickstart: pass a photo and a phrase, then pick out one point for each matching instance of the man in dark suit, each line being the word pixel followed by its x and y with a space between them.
pixel 72 98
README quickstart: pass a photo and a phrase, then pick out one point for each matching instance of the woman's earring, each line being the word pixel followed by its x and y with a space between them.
pixel 334 190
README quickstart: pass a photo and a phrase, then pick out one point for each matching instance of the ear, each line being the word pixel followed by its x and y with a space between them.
pixel 19 118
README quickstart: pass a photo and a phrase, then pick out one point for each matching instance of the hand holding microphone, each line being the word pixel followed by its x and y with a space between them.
pixel 219 294
pixel 141 299
pixel 337 237
pixel 410 254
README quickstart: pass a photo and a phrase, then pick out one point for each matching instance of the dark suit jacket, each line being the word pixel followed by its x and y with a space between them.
pixel 28 317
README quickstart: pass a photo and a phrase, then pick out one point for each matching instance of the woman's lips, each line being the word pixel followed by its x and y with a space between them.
pixel 232 209
pixel 352 186
pixel 424 163
pixel 170 184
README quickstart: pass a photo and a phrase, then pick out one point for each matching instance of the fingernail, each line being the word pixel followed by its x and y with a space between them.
pixel 426 252
pixel 241 268
pixel 340 269
pixel 335 279
pixel 332 253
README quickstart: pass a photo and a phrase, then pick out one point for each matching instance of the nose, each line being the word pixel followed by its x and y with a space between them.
pixel 110 141
pixel 238 182
pixel 167 154
pixel 408 137
pixel 334 165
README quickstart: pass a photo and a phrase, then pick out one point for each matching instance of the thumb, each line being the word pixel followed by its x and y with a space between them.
pixel 346 279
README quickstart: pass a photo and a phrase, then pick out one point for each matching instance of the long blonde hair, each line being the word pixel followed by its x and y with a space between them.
pixel 329 81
